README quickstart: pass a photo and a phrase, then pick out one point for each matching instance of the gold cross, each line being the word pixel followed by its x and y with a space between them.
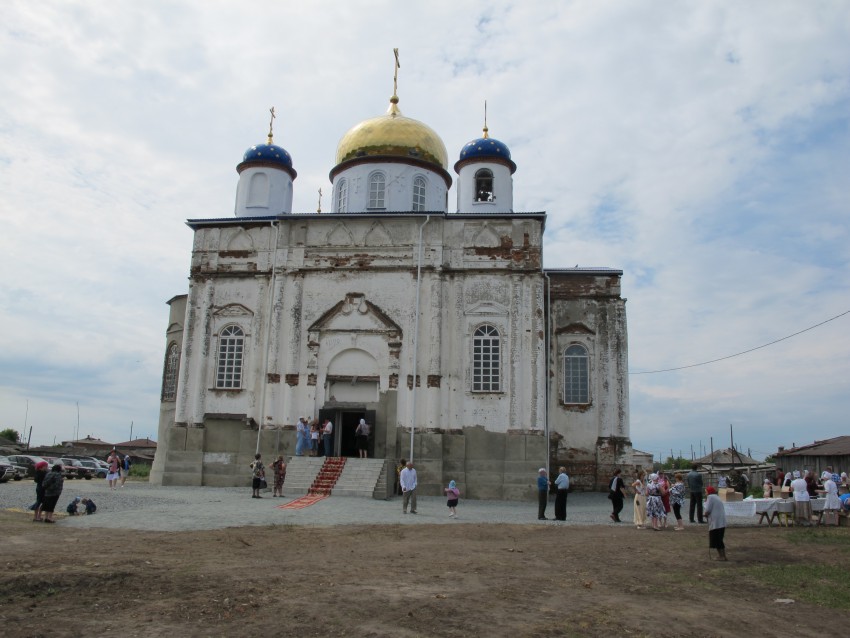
pixel 271 124
pixel 395 73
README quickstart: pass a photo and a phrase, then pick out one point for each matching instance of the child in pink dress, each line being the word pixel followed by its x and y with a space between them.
pixel 453 495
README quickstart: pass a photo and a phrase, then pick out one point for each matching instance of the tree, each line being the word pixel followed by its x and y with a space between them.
pixel 10 434
pixel 678 463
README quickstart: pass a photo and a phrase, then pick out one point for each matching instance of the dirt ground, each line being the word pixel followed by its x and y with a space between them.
pixel 400 581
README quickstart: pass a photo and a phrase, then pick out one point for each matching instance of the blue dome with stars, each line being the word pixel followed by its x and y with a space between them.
pixel 271 153
pixel 267 154
pixel 485 148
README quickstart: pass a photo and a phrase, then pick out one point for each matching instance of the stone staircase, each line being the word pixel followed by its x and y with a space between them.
pixel 362 477
pixel 341 476
pixel 327 476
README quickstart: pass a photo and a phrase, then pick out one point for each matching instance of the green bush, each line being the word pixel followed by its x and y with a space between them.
pixel 140 470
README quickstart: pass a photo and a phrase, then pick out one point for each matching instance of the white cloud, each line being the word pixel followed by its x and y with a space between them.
pixel 701 147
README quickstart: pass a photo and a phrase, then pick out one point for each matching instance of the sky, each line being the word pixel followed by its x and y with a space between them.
pixel 703 148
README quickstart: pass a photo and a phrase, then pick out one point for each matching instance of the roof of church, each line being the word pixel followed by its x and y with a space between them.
pixel 392 134
pixel 270 153
pixel 583 270
pixel 265 219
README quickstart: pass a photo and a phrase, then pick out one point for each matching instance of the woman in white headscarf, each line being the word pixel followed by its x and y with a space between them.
pixel 654 505
pixel 361 435
pixel 831 492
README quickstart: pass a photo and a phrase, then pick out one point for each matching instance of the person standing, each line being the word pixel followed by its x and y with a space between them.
pixel 300 428
pixel 53 483
pixel 677 500
pixel 640 500
pixel 664 484
pixel 314 438
pixel 407 479
pixel 279 467
pixel 716 513
pixel 398 469
pixel 258 475
pixel 617 493
pixel 654 505
pixel 695 487
pixel 114 471
pixel 125 469
pixel 833 504
pixel 802 500
pixel 40 473
pixel 361 435
pixel 542 493
pixel 453 495
pixel 327 438
pixel 563 485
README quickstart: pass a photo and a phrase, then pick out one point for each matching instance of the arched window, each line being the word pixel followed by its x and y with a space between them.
pixel 377 186
pixel 342 196
pixel 258 191
pixel 231 344
pixel 576 375
pixel 169 373
pixel 419 193
pixel 484 185
pixel 486 359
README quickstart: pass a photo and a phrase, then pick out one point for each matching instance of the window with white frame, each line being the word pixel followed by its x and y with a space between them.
pixel 576 375
pixel 169 373
pixel 486 359
pixel 231 346
pixel 342 196
pixel 419 193
pixel 484 185
pixel 377 189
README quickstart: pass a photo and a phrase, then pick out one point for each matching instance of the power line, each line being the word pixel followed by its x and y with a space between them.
pixel 738 354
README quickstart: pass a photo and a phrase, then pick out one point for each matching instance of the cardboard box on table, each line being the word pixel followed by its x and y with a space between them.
pixel 728 494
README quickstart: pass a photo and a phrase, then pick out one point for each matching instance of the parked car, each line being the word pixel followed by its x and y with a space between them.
pixel 26 460
pixel 97 470
pixel 7 471
pixel 75 469
pixel 19 470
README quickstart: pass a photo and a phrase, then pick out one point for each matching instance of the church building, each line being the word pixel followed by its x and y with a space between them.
pixel 438 325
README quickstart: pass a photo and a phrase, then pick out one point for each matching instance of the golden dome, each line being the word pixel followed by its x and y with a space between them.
pixel 395 135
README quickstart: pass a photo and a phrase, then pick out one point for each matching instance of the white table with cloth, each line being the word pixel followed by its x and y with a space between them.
pixel 740 509
pixel 774 509
pixel 782 509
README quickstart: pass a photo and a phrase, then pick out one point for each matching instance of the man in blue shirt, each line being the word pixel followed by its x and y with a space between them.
pixel 563 485
pixel 542 493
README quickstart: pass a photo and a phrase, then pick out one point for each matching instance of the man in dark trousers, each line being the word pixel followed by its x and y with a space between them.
pixel 617 494
pixel 695 487
pixel 542 493
pixel 563 485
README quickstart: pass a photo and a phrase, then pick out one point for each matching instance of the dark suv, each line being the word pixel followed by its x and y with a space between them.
pixel 18 471
pixel 26 461
pixel 75 469
pixel 7 471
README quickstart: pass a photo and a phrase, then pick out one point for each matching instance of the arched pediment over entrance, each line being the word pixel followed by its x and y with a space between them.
pixel 355 323
pixel 356 314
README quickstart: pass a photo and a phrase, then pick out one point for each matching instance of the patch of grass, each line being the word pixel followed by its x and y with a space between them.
pixel 140 470
pixel 823 585
pixel 834 536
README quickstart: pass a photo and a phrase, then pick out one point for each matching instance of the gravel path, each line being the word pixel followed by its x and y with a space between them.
pixel 141 506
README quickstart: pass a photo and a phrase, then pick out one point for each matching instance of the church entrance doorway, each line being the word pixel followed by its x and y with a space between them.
pixel 345 422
